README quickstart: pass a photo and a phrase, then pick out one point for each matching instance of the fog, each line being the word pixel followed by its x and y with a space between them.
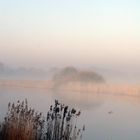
pixel 98 35
pixel 84 53
pixel 110 75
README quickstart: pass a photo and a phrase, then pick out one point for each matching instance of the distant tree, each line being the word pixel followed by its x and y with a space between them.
pixel 90 76
pixel 66 74
pixel 69 74
pixel 2 67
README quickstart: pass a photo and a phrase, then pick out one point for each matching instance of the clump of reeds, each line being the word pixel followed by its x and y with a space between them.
pixel 24 123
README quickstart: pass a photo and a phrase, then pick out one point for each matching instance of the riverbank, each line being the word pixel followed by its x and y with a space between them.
pixel 121 89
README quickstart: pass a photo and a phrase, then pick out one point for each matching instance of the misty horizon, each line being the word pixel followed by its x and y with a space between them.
pixel 81 55
pixel 75 33
pixel 111 75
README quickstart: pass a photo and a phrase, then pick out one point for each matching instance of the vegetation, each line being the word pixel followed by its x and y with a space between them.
pixel 70 74
pixel 24 123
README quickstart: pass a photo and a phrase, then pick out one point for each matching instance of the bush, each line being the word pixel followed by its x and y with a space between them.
pixel 70 74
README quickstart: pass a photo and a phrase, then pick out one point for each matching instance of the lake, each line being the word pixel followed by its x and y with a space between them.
pixel 106 116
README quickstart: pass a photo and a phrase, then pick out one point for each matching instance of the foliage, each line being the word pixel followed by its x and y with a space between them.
pixel 70 74
pixel 24 123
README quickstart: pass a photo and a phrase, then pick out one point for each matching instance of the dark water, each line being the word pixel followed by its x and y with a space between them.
pixel 106 117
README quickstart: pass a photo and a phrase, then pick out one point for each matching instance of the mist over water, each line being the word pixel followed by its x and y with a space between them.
pixel 127 75
pixel 110 110
pixel 122 123
pixel 83 53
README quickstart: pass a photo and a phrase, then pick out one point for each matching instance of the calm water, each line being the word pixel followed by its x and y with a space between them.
pixel 122 124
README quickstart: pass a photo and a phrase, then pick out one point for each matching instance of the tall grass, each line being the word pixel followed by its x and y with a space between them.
pixel 24 123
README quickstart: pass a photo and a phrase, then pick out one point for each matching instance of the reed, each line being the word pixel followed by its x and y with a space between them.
pixel 24 123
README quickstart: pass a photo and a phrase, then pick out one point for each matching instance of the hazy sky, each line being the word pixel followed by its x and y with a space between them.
pixel 70 32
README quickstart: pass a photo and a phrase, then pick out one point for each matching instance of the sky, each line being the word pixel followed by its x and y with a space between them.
pixel 104 33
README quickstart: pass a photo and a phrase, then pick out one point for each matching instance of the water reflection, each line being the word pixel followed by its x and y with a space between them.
pixel 88 100
pixel 122 124
pixel 81 100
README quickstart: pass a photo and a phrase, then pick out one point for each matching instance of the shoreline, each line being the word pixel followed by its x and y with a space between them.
pixel 119 89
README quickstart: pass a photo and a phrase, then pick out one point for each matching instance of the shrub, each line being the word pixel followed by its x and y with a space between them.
pixel 70 74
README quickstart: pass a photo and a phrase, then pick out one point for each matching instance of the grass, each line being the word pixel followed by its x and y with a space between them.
pixel 24 123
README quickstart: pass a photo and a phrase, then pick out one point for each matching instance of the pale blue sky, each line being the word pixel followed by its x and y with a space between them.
pixel 70 32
